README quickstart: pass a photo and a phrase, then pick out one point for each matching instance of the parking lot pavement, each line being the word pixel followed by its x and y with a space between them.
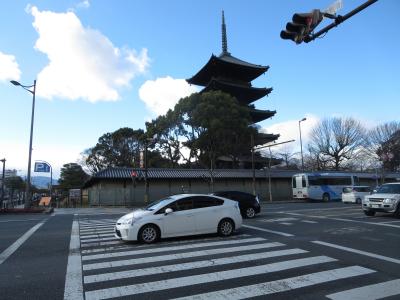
pixel 248 264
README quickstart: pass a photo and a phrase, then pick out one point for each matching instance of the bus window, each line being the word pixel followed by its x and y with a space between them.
pixel 294 182
pixel 303 181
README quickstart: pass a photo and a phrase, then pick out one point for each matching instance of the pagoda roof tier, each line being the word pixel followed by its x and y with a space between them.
pixel 258 115
pixel 265 138
pixel 227 66
pixel 245 94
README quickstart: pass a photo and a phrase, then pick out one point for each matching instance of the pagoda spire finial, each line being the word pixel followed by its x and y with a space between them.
pixel 224 38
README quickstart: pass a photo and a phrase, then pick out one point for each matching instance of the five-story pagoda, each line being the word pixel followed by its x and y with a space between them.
pixel 233 76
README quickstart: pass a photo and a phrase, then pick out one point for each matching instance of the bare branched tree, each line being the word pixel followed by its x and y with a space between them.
pixel 379 136
pixel 337 140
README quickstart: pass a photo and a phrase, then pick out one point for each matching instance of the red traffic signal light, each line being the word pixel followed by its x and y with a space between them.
pixel 302 26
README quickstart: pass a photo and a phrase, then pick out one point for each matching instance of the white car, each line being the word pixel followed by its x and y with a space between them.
pixel 180 215
pixel 355 194
pixel 385 199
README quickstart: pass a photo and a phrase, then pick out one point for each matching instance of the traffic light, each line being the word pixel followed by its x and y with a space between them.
pixel 302 26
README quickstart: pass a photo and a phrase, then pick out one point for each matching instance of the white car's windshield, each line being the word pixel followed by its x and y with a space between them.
pixel 158 204
pixel 389 189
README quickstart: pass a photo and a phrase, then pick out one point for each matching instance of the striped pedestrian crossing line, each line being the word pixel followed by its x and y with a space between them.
pixel 173 248
pixel 212 268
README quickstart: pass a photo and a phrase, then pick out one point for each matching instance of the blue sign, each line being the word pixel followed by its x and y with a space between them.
pixel 42 167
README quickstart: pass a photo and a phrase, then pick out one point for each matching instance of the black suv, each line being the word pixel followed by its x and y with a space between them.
pixel 249 204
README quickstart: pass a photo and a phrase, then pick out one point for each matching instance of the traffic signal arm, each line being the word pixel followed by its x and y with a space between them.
pixel 339 19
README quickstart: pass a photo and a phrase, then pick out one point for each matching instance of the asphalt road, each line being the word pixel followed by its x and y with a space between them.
pixel 290 250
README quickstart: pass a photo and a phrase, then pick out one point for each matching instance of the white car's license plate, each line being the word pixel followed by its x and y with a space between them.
pixel 375 205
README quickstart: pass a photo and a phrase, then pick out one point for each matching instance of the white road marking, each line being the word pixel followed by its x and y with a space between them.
pixel 344 220
pixel 96 223
pixel 11 249
pixel 73 281
pixel 388 222
pixel 190 265
pixel 369 292
pixel 84 241
pixel 22 220
pixel 322 209
pixel 168 257
pixel 184 241
pixel 266 230
pixel 377 256
pixel 86 233
pixel 308 221
pixel 282 285
pixel 172 248
pixel 101 235
pixel 285 223
pixel 94 244
pixel 96 226
pixel 203 278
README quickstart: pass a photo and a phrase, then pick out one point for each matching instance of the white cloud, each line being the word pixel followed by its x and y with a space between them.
pixel 289 130
pixel 163 93
pixel 16 154
pixel 9 69
pixel 83 63
pixel 83 4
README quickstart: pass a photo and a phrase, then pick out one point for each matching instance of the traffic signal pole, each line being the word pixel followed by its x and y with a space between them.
pixel 338 20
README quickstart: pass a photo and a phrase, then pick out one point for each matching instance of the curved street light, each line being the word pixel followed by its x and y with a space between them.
pixel 33 91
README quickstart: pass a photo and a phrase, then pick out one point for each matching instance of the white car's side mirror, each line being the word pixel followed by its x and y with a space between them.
pixel 168 211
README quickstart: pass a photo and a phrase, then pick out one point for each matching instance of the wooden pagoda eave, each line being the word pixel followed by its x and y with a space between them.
pixel 244 94
pixel 264 138
pixel 258 115
pixel 227 64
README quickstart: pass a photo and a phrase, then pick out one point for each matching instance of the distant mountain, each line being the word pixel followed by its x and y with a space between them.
pixel 42 182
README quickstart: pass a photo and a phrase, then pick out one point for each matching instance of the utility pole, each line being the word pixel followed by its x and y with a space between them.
pixel 2 181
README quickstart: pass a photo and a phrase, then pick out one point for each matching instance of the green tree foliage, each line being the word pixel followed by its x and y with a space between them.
pixel 206 125
pixel 72 176
pixel 120 148
pixel 223 126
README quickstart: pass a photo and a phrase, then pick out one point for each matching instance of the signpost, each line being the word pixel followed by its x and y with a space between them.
pixel 45 167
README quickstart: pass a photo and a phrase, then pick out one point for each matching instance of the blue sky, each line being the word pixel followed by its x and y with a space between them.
pixel 103 65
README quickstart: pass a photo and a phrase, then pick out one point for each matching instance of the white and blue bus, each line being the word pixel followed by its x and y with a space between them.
pixel 321 186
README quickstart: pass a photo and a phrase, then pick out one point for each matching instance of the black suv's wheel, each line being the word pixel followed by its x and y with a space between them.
pixel 149 234
pixel 369 213
pixel 226 227
pixel 250 213
pixel 326 197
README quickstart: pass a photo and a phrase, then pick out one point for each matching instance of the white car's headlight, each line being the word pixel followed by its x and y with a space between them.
pixel 126 221
pixel 389 200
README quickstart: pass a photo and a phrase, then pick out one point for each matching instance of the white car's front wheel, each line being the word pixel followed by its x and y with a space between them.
pixel 149 234
pixel 226 227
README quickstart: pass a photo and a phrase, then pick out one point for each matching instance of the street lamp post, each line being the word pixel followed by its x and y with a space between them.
pixel 2 181
pixel 146 179
pixel 301 145
pixel 28 184
pixel 269 165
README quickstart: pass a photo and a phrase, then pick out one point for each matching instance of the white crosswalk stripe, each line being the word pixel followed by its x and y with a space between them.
pixel 112 268
pixel 203 278
pixel 173 248
pixel 190 266
pixel 369 292
pixel 282 285
pixel 160 258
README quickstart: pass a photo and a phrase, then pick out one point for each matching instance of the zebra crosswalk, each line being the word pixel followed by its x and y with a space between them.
pixel 239 267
